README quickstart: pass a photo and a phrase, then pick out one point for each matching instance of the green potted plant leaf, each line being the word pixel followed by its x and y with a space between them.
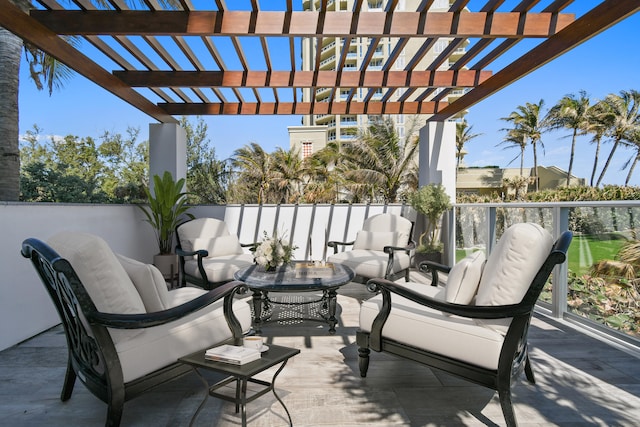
pixel 167 207
pixel 430 201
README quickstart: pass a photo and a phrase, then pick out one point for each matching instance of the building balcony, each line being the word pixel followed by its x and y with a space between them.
pixel 586 371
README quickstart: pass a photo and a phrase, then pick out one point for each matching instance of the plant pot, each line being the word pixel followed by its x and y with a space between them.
pixel 418 257
pixel 167 264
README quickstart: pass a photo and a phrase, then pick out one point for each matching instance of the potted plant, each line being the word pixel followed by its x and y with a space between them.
pixel 430 201
pixel 167 206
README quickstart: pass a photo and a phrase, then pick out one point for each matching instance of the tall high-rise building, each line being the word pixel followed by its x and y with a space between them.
pixel 364 53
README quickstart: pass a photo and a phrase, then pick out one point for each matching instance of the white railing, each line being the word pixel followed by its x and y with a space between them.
pixel 25 308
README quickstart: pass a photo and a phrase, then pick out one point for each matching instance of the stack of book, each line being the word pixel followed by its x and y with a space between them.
pixel 236 355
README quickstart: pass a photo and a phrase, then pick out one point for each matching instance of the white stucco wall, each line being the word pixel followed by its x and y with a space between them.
pixel 25 307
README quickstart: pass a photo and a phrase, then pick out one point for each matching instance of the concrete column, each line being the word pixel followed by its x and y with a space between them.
pixel 438 166
pixel 167 150
pixel 438 156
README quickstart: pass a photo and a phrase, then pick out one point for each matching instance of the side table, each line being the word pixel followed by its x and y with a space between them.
pixel 241 375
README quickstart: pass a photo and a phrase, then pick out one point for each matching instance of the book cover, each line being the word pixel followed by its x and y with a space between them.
pixel 237 355
pixel 311 270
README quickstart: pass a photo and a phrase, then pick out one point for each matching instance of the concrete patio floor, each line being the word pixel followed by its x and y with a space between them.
pixel 580 382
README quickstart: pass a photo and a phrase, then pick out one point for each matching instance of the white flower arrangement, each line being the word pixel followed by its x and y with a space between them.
pixel 273 252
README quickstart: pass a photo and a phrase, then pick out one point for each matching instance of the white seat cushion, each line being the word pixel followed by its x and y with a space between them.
pixel 370 264
pixel 162 345
pixel 219 269
pixel 149 282
pixel 464 279
pixel 452 336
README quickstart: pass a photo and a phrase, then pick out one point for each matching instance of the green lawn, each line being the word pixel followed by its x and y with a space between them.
pixel 584 251
pixel 587 250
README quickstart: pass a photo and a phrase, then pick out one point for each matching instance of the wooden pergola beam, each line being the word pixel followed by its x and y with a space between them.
pixel 19 23
pixel 290 108
pixel 288 79
pixel 302 24
pixel 601 17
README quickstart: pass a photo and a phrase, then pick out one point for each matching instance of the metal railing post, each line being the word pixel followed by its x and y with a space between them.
pixel 560 272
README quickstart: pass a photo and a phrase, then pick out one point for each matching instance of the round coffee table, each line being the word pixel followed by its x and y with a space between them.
pixel 297 276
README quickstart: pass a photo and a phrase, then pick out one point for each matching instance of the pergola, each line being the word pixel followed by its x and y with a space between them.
pixel 241 57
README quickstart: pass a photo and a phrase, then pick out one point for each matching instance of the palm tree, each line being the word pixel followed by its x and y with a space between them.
pixel 571 112
pixel 378 161
pixel 254 173
pixel 10 52
pixel 287 175
pixel 596 125
pixel 634 141
pixel 528 123
pixel 463 136
pixel 621 114
pixel 45 71
pixel 515 138
pixel 323 183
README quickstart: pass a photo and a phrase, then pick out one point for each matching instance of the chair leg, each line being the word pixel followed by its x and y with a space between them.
pixel 363 360
pixel 528 371
pixel 69 382
pixel 507 407
pixel 115 408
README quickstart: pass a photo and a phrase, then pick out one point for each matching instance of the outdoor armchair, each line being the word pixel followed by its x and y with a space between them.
pixel 381 249
pixel 125 331
pixel 477 329
pixel 209 254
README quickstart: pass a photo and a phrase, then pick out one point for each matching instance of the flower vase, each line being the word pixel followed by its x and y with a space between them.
pixel 270 268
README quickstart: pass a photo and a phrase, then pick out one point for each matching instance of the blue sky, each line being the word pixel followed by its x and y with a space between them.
pixel 608 63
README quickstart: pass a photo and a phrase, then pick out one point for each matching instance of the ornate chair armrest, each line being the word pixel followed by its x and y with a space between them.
pixel 252 246
pixel 390 249
pixel 226 291
pixel 433 268
pixel 472 311
pixel 334 244
pixel 200 253
pixel 387 287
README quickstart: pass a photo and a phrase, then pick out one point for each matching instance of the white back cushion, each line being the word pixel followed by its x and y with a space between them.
pixel 100 271
pixel 464 279
pixel 390 222
pixel 513 264
pixel 218 246
pixel 377 240
pixel 148 281
pixel 200 228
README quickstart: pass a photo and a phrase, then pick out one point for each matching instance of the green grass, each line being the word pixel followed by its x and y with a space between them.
pixel 584 251
pixel 587 250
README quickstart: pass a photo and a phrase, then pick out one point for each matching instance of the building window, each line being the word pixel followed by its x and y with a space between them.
pixel 440 46
pixel 307 149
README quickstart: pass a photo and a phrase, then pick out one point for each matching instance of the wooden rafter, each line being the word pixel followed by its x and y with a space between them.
pixel 16 21
pixel 287 108
pixel 161 50
pixel 593 22
pixel 302 24
pixel 284 79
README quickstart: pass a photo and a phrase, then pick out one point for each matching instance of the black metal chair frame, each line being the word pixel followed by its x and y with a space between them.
pixel 92 354
pixel 201 281
pixel 514 356
pixel 390 250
